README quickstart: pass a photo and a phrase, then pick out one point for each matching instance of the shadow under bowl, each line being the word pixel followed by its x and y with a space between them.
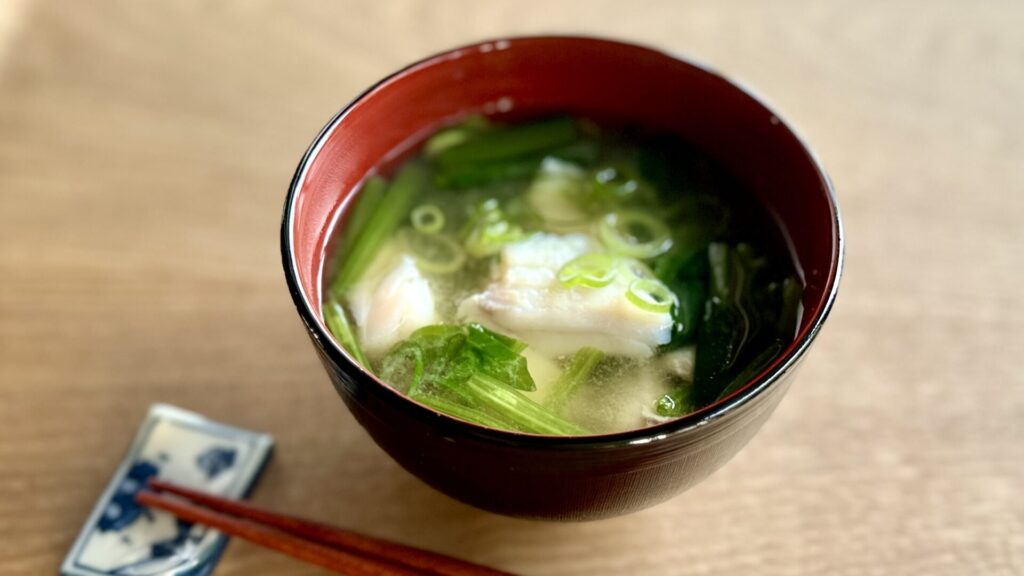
pixel 548 477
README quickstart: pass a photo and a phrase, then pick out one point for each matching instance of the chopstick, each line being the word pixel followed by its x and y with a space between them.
pixel 326 546
pixel 323 556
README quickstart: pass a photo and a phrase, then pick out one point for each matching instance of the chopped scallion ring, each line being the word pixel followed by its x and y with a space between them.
pixel 635 234
pixel 434 253
pixel 632 269
pixel 490 231
pixel 427 218
pixel 612 185
pixel 592 270
pixel 651 296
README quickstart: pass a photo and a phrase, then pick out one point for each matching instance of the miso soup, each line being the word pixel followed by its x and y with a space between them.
pixel 560 277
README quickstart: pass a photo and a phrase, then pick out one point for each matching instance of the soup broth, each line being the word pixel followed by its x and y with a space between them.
pixel 560 277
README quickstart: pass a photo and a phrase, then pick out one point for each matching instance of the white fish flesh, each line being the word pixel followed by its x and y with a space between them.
pixel 526 300
pixel 390 302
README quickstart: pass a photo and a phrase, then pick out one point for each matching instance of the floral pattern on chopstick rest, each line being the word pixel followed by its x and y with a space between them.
pixel 120 537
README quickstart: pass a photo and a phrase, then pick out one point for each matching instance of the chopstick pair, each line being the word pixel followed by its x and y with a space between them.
pixel 326 546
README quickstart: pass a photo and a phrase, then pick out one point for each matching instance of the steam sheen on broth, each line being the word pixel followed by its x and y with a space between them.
pixel 560 277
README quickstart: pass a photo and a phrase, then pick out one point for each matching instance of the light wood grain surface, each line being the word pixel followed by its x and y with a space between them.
pixel 145 149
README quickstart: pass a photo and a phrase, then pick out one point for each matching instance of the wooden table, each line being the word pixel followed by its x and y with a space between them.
pixel 145 149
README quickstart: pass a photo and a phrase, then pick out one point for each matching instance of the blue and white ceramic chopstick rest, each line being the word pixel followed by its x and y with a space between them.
pixel 185 448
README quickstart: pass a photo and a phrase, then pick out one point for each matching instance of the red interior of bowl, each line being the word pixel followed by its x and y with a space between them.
pixel 586 76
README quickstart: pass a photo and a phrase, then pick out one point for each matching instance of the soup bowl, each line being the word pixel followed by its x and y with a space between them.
pixel 555 477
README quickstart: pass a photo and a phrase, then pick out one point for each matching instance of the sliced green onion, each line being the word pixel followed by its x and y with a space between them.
pixel 592 270
pixel 613 186
pixel 489 230
pixel 635 234
pixel 650 295
pixel 434 253
pixel 632 269
pixel 427 218
pixel 488 240
pixel 556 191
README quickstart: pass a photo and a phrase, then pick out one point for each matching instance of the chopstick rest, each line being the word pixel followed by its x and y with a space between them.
pixel 122 537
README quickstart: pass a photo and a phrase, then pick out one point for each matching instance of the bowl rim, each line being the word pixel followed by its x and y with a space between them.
pixel 718 410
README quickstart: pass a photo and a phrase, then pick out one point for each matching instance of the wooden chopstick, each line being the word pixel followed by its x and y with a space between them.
pixel 324 556
pixel 321 544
